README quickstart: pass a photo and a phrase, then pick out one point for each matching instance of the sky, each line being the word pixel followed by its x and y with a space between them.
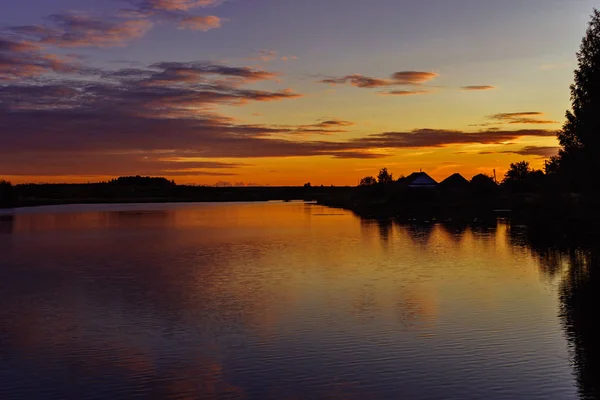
pixel 282 92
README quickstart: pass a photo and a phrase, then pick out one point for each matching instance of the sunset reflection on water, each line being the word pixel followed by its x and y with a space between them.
pixel 272 300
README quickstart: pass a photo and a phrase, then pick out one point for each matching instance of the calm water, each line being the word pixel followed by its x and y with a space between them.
pixel 285 301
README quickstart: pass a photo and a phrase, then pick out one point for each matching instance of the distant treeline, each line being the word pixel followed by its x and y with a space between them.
pixel 130 189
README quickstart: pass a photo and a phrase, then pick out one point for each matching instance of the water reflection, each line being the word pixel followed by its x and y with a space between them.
pixel 278 301
pixel 580 296
pixel 455 229
pixel 420 233
pixel 6 223
pixel 579 268
pixel 579 272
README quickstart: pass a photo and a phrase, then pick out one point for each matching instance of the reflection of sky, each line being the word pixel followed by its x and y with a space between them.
pixel 274 301
pixel 524 51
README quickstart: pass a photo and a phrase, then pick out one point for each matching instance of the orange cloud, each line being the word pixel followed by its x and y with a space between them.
pixel 413 77
pixel 200 23
pixel 397 78
pixel 405 92
pixel 83 30
pixel 178 5
pixel 478 88
pixel 23 59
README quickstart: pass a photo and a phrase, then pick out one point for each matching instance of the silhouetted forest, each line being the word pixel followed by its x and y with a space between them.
pixel 137 189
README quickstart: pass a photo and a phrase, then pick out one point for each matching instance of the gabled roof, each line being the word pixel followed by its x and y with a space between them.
pixel 419 179
pixel 455 181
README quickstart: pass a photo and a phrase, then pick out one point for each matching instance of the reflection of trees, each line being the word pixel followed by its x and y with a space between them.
pixel 420 233
pixel 455 229
pixel 579 295
pixel 485 226
pixel 385 228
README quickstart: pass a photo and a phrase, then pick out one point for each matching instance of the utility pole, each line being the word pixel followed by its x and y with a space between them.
pixel 495 181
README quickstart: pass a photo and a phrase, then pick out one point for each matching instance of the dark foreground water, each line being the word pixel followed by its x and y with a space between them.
pixel 287 301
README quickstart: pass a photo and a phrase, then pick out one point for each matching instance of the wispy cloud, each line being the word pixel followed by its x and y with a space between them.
pixel 413 77
pixel 21 59
pixel 84 30
pixel 360 81
pixel 324 127
pixel 200 23
pixel 265 55
pixel 541 151
pixel 396 79
pixel 440 138
pixel 405 92
pixel 168 89
pixel 478 88
pixel 527 117
pixel 183 73
pixel 175 5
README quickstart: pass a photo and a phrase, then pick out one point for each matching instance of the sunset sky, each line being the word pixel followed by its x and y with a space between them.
pixel 281 92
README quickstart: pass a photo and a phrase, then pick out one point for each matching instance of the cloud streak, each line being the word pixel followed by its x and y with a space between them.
pixel 265 55
pixel 405 92
pixel 200 23
pixel 83 30
pixel 413 77
pixel 478 88
pixel 176 5
pixel 396 79
pixel 527 117
pixel 541 151
pixel 20 59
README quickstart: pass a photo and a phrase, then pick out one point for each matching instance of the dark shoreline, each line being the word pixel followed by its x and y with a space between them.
pixel 31 195
pixel 559 215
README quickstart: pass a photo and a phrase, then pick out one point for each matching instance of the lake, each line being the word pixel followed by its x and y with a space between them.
pixel 287 301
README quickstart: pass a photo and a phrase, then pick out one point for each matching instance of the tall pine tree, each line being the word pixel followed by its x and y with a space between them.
pixel 580 135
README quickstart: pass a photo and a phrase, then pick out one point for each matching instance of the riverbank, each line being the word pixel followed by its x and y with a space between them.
pixel 29 195
pixel 549 216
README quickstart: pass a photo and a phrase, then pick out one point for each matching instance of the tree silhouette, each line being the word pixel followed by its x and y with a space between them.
pixel 384 177
pixel 142 181
pixel 483 185
pixel 580 135
pixel 368 181
pixel 518 172
pixel 6 194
